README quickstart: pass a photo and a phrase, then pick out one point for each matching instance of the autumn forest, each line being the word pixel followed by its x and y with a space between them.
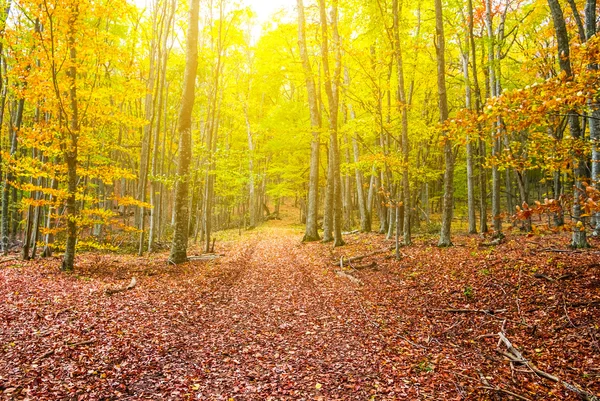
pixel 300 199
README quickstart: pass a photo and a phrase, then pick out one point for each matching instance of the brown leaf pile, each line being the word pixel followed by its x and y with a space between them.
pixel 273 320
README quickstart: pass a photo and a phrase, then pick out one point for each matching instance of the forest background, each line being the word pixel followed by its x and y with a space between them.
pixel 124 125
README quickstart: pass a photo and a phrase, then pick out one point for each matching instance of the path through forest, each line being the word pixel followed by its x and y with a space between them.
pixel 273 320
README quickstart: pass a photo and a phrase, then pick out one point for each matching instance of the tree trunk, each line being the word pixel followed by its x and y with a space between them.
pixel 332 84
pixel 403 109
pixel 443 105
pixel 70 153
pixel 15 125
pixel 579 239
pixel 180 235
pixel 311 232
pixel 470 176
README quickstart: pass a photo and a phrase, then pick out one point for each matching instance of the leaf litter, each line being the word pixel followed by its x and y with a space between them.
pixel 272 319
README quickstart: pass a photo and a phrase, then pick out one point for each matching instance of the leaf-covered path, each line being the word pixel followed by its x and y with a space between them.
pixel 273 320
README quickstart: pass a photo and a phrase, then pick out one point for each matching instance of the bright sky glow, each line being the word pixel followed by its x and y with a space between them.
pixel 264 9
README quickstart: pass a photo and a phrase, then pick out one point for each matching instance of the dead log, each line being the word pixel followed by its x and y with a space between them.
pixel 130 286
pixel 516 357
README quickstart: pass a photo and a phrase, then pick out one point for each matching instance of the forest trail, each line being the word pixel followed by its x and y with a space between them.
pixel 272 320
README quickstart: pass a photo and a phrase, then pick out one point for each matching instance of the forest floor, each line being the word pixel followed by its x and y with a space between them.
pixel 277 319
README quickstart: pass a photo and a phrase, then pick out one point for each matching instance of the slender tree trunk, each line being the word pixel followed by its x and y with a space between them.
pixel 448 201
pixel 403 109
pixel 470 175
pixel 15 125
pixel 251 191
pixel 332 84
pixel 149 112
pixel 496 213
pixel 161 92
pixel 579 239
pixel 180 235
pixel 70 153
pixel 365 218
pixel 594 120
pixel 311 233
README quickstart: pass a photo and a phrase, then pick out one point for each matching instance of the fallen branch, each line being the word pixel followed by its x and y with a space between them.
pixel 357 258
pixel 413 343
pixel 589 303
pixel 494 242
pixel 505 391
pixel 9 259
pixel 485 311
pixel 208 256
pixel 545 277
pixel 46 354
pixel 561 250
pixel 515 356
pixel 350 232
pixel 362 267
pixel 130 286
pixel 349 277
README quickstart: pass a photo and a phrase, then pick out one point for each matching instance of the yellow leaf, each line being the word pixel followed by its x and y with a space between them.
pixel 195 386
pixel 318 386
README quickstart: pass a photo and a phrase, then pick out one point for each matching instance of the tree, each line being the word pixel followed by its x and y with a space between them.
pixel 579 239
pixel 180 235
pixel 311 232
pixel 333 197
pixel 448 202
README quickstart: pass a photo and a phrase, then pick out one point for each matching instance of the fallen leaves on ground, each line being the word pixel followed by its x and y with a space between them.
pixel 273 320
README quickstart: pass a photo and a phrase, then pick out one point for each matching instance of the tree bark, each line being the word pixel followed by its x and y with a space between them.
pixel 448 201
pixel 180 236
pixel 311 232
pixel 332 84
pixel 579 239
pixel 403 109
pixel 70 152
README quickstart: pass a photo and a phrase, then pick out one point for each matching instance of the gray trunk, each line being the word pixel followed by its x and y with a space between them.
pixel 180 235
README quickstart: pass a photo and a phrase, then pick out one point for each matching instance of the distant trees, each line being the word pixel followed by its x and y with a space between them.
pixel 107 142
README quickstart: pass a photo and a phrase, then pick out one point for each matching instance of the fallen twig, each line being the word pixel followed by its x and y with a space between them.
pixel 545 277
pixel 505 391
pixel 362 267
pixel 485 311
pixel 349 277
pixel 357 258
pixel 589 303
pixel 515 356
pixel 46 354
pixel 130 286
pixel 209 256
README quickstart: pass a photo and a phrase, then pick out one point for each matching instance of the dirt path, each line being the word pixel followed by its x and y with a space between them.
pixel 291 328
